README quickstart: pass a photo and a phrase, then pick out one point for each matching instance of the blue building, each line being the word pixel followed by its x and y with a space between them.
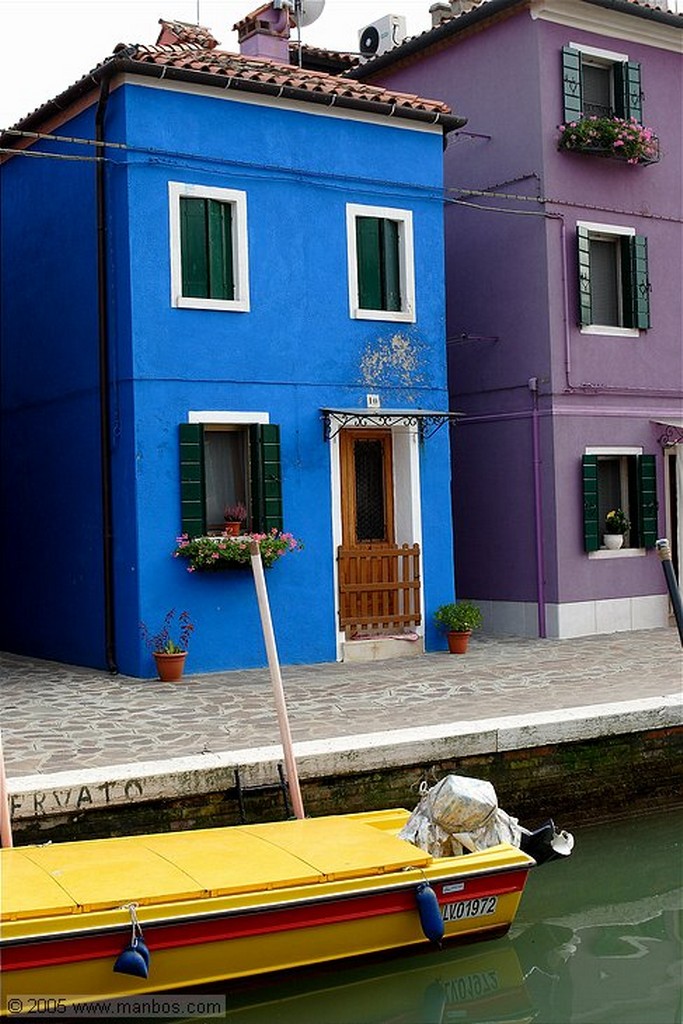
pixel 223 284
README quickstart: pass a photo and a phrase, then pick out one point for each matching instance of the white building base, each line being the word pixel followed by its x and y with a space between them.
pixel 380 648
pixel 578 618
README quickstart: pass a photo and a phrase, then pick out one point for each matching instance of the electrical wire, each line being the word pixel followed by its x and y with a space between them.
pixel 179 158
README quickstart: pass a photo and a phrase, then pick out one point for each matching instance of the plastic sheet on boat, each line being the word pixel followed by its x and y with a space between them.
pixel 459 814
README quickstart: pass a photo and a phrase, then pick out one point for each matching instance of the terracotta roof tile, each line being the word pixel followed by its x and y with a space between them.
pixel 343 57
pixel 182 32
pixel 252 16
pixel 655 7
pixel 184 49
pixel 220 63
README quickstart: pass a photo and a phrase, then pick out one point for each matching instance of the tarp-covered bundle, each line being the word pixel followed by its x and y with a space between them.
pixel 459 814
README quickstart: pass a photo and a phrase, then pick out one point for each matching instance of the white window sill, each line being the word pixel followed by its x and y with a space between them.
pixel 406 316
pixel 225 305
pixel 620 553
pixel 615 332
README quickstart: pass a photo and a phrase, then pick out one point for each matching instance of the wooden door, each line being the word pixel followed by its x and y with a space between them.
pixel 379 582
pixel 367 497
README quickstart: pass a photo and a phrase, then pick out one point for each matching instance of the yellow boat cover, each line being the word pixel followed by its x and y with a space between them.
pixel 97 874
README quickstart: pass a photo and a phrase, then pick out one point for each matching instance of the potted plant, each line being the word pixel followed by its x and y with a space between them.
pixel 169 653
pixel 235 517
pixel 458 620
pixel 617 524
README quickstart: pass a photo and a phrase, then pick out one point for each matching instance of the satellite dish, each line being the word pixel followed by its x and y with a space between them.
pixel 306 12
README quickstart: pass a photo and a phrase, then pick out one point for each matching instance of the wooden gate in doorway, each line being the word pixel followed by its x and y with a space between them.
pixel 379 581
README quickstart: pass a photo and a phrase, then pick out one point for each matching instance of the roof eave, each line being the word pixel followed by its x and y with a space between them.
pixel 434 37
pixel 651 13
pixel 486 12
pixel 124 65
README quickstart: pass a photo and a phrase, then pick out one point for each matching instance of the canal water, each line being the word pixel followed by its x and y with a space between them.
pixel 597 940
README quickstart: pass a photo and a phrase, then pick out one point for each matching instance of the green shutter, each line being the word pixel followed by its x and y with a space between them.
pixel 640 281
pixel 635 281
pixel 391 277
pixel 192 506
pixel 627 80
pixel 647 501
pixel 591 524
pixel 584 266
pixel 194 248
pixel 266 477
pixel 571 83
pixel 221 277
pixel 368 260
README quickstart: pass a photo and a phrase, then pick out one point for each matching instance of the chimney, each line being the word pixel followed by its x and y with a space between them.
pixel 265 33
pixel 174 32
pixel 440 12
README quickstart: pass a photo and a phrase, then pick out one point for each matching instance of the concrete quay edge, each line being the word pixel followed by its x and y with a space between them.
pixel 121 785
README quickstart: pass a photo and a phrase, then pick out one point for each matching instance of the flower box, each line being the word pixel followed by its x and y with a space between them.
pixel 216 553
pixel 611 137
pixel 611 154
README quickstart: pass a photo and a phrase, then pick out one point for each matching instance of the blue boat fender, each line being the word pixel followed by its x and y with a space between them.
pixel 430 914
pixel 134 959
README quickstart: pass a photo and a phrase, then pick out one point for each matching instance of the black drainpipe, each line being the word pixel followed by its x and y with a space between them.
pixel 105 406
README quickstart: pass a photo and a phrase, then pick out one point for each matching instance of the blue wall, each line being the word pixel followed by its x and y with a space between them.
pixel 295 352
pixel 50 521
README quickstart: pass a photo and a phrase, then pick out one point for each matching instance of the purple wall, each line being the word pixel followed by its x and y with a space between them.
pixel 513 299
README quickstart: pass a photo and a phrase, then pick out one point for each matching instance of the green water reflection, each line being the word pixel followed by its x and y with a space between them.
pixel 597 941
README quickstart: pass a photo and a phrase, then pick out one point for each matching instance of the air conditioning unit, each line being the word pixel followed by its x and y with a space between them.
pixel 382 35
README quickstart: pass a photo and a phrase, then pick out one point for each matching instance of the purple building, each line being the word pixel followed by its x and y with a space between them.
pixel 564 253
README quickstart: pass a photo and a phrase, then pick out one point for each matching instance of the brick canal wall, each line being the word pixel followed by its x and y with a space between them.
pixel 574 782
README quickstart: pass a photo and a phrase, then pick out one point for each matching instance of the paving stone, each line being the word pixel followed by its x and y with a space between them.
pixel 58 717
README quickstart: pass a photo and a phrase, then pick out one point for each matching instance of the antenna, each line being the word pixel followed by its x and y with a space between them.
pixel 307 11
pixel 304 12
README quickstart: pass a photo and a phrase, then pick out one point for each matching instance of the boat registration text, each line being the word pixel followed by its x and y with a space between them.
pixel 469 908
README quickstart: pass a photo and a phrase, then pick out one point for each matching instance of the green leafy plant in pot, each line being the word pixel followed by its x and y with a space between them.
pixel 617 525
pixel 169 649
pixel 458 620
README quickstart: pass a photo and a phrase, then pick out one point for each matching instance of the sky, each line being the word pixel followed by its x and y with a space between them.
pixel 49 44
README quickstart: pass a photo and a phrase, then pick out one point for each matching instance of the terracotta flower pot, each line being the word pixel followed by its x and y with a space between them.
pixel 170 666
pixel 457 642
pixel 232 529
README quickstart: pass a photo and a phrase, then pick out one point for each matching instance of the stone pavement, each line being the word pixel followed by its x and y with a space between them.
pixel 63 719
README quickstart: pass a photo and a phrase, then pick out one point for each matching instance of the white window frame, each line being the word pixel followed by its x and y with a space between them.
pixel 609 232
pixel 601 58
pixel 228 420
pixel 406 255
pixel 240 249
pixel 621 453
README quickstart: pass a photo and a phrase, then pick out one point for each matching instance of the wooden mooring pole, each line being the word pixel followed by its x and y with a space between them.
pixel 276 679
pixel 664 552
